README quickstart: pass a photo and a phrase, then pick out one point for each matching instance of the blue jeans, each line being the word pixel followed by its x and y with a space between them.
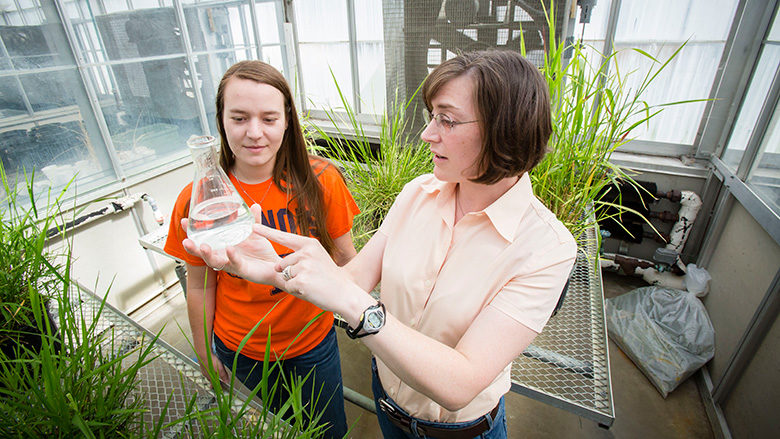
pixel 325 380
pixel 497 429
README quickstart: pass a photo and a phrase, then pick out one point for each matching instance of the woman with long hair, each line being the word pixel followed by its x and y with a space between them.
pixel 264 153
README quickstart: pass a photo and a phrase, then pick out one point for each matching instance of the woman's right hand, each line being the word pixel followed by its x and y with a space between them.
pixel 224 373
pixel 253 259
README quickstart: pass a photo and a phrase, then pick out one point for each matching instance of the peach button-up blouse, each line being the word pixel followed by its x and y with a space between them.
pixel 514 256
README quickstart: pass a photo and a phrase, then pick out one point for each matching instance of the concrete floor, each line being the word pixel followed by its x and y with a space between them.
pixel 640 410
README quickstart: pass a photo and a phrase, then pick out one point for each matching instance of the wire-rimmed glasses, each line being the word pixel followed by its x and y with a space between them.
pixel 443 121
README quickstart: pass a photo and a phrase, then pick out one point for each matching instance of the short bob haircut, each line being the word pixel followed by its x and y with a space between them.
pixel 513 109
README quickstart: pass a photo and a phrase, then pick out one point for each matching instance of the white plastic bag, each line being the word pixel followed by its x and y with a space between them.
pixel 697 280
pixel 666 333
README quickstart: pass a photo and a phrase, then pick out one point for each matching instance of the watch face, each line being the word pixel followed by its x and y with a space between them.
pixel 374 320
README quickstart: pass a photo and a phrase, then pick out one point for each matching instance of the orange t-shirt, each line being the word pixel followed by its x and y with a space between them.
pixel 240 304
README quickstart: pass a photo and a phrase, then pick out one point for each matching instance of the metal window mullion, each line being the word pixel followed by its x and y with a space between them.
pixel 25 99
pixel 609 36
pixel 722 205
pixel 609 44
pixel 244 32
pixel 740 58
pixel 569 21
pixel 101 47
pixel 764 215
pixel 89 89
pixel 39 10
pixel 353 58
pixel 256 29
pixel 91 52
pixel 760 127
pixel 280 20
pixel 100 4
pixel 185 36
pixel 290 38
pixel 21 12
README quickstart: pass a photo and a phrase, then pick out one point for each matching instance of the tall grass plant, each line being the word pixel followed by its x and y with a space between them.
pixel 24 257
pixel 593 114
pixel 79 378
pixel 375 173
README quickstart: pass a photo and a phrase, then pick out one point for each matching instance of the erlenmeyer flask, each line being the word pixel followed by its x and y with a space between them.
pixel 218 215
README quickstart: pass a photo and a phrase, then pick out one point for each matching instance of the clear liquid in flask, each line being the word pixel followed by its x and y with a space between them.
pixel 218 215
pixel 220 222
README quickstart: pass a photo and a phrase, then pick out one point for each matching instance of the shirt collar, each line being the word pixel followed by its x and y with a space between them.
pixel 505 213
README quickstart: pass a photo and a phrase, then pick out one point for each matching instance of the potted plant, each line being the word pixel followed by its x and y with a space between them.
pixel 27 271
pixel 58 376
pixel 593 114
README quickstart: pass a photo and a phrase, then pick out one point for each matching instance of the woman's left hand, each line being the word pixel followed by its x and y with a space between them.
pixel 311 274
pixel 253 259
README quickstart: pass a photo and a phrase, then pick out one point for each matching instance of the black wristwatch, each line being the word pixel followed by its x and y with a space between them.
pixel 371 321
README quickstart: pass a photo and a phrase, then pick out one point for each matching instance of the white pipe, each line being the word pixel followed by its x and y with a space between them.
pixel 662 278
pixel 690 204
pixel 650 274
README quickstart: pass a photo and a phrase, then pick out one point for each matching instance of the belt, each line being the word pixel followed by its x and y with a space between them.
pixel 404 422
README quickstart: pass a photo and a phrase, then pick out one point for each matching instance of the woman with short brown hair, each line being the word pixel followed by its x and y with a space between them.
pixel 471 263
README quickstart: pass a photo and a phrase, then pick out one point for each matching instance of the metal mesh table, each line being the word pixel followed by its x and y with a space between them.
pixel 169 379
pixel 567 366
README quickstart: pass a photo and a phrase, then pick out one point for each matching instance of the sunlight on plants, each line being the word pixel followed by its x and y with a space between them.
pixel 593 114
pixel 375 174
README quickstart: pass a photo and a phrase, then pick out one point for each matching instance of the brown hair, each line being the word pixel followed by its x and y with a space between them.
pixel 292 169
pixel 513 109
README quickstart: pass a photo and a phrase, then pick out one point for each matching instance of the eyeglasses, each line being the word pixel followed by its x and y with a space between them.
pixel 443 121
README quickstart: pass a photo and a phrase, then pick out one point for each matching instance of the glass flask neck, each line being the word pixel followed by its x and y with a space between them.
pixel 203 151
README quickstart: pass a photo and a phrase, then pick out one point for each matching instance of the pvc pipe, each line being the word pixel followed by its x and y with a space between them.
pixel 359 399
pixel 662 278
pixel 690 204
pixel 650 274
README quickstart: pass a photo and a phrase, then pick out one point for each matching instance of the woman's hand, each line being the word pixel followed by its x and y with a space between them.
pixel 253 259
pixel 310 273
pixel 222 371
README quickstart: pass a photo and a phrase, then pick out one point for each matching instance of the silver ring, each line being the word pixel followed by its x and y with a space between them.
pixel 286 273
pixel 220 268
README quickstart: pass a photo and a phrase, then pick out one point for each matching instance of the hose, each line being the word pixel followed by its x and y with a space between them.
pixel 111 207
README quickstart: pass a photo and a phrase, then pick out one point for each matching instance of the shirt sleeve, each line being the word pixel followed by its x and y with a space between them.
pixel 340 205
pixel 176 234
pixel 530 297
